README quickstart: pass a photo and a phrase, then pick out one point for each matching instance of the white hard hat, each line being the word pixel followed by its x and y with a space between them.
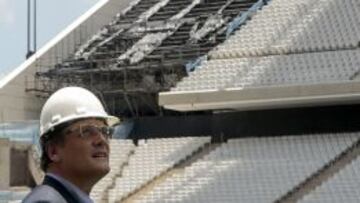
pixel 71 103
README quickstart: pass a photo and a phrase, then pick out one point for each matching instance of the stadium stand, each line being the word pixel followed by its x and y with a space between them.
pixel 220 46
pixel 150 159
pixel 307 68
pixel 286 49
pixel 252 169
pixel 285 27
pixel 120 151
pixel 295 27
pixel 340 188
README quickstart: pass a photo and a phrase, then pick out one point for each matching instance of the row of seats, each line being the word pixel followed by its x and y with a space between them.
pixel 295 26
pixel 120 151
pixel 294 69
pixel 342 187
pixel 251 169
pixel 150 159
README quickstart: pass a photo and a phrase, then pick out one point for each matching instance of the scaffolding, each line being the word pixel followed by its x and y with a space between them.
pixel 145 50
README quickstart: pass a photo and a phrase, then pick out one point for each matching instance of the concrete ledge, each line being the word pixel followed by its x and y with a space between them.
pixel 263 97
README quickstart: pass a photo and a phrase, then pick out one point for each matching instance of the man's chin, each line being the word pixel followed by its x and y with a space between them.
pixel 103 169
pixel 100 167
pixel 98 173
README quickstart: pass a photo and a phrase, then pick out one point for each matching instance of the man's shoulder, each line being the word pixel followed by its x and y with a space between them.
pixel 44 194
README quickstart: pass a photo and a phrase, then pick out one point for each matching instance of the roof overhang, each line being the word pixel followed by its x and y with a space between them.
pixel 263 97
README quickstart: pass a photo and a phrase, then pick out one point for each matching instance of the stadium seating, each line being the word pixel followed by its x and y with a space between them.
pixel 342 187
pixel 293 26
pixel 294 69
pixel 286 43
pixel 150 159
pixel 252 169
pixel 120 151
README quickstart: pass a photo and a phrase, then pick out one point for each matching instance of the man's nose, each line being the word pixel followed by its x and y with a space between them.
pixel 100 139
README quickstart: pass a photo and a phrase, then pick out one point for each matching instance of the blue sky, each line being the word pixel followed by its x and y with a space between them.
pixel 53 16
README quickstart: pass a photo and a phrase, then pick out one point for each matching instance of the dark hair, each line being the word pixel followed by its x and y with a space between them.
pixel 55 136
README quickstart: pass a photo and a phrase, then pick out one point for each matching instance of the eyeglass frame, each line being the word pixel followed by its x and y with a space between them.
pixel 106 131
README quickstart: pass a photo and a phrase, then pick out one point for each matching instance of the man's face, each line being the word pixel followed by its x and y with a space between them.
pixel 86 149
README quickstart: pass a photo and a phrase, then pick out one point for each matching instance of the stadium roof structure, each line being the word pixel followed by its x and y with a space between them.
pixel 291 53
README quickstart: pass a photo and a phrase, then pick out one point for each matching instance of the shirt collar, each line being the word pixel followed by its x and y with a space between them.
pixel 73 189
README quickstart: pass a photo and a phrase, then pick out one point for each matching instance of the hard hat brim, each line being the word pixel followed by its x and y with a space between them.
pixel 110 120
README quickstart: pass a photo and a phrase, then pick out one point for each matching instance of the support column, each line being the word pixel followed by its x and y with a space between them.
pixel 4 164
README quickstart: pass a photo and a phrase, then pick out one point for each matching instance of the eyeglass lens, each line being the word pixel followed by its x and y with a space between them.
pixel 90 130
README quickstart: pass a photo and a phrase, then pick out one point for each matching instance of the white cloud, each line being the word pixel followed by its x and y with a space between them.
pixel 7 15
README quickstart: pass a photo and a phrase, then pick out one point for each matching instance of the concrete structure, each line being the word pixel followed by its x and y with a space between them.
pixel 16 102
pixel 263 97
pixel 19 169
pixel 4 164
pixel 15 169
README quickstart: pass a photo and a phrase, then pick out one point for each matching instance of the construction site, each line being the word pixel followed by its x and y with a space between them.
pixel 220 100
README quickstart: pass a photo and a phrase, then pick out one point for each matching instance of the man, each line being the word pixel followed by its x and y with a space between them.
pixel 74 137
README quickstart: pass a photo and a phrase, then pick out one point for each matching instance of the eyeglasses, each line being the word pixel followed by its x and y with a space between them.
pixel 86 131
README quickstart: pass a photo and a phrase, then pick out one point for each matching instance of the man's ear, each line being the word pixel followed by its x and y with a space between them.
pixel 53 152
